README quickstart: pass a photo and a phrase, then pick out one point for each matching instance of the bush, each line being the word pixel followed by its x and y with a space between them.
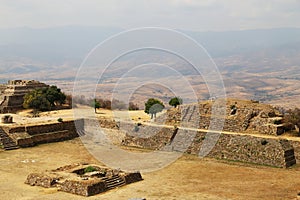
pixel 133 106
pixel 60 120
pixel 90 169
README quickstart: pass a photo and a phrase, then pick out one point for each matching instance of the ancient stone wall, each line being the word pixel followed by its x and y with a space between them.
pixel 43 180
pixel 87 188
pixel 103 123
pixel 247 116
pixel 149 137
pixel 244 148
pixel 26 136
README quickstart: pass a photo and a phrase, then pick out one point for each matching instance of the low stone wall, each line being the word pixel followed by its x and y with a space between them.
pixel 18 129
pixel 250 149
pixel 132 177
pixel 86 188
pixel 157 141
pixel 45 133
pixel 45 138
pixel 103 123
pixel 53 127
pixel 43 180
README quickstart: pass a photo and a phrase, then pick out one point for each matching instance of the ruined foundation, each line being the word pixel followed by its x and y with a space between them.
pixel 83 179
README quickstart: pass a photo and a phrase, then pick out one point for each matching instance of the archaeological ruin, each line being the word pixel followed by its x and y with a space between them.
pixel 12 93
pixel 251 134
pixel 83 179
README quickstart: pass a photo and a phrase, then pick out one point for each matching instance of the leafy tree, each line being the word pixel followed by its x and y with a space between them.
pixel 54 95
pixel 44 99
pixel 153 106
pixel 96 105
pixel 175 101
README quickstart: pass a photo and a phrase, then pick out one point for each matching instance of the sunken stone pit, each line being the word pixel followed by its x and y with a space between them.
pixel 83 179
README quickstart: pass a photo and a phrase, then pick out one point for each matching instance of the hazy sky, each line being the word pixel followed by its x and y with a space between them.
pixel 200 15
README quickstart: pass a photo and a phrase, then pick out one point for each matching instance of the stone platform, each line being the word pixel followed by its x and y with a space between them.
pixel 83 179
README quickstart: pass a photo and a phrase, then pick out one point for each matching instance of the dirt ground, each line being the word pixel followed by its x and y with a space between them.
pixel 187 178
pixel 25 117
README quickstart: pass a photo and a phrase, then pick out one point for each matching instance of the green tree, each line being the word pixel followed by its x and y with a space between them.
pixel 44 99
pixel 175 102
pixel 96 105
pixel 55 96
pixel 153 106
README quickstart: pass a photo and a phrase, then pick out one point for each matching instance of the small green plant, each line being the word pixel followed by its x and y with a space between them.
pixel 60 120
pixel 90 169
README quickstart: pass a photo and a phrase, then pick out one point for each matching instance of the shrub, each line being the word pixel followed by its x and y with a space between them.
pixel 133 106
pixel 90 169
pixel 60 120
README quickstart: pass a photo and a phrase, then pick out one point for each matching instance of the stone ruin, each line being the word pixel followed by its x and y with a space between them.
pixel 241 116
pixel 12 94
pixel 250 133
pixel 83 179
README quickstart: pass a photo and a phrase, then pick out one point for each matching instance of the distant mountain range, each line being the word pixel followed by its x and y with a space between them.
pixel 249 60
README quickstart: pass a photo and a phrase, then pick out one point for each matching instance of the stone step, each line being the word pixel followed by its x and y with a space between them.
pixel 113 182
pixel 289 152
pixel 110 180
pixel 11 148
pixel 290 163
pixel 115 185
pixel 7 142
pixel 289 158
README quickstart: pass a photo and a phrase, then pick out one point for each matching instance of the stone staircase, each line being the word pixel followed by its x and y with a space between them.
pixel 6 141
pixel 191 117
pixel 288 151
pixel 289 158
pixel 113 182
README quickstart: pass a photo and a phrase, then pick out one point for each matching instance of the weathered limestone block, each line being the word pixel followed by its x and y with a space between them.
pixel 43 180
